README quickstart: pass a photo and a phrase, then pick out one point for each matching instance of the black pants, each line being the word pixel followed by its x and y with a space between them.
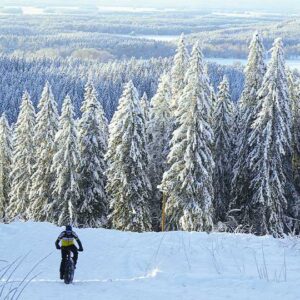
pixel 64 254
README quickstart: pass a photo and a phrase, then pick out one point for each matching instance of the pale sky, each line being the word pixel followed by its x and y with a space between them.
pixel 266 5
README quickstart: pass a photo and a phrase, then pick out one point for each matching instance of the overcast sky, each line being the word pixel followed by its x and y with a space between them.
pixel 266 5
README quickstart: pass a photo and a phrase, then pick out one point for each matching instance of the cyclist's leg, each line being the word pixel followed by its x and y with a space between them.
pixel 64 253
pixel 73 248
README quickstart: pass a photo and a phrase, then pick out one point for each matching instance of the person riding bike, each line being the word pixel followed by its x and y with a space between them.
pixel 67 245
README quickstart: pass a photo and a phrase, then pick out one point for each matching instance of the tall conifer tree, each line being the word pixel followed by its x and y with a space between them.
pixel 294 89
pixel 160 131
pixel 5 164
pixel 247 110
pixel 43 178
pixel 66 194
pixel 93 137
pixel 223 123
pixel 22 161
pixel 188 182
pixel 270 142
pixel 128 184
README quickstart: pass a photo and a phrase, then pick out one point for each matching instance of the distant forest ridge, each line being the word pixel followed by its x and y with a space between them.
pixel 266 5
pixel 109 36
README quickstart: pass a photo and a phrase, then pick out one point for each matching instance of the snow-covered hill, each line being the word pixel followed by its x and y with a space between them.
pixel 174 265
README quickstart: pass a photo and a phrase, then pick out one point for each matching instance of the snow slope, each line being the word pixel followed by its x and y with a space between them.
pixel 174 265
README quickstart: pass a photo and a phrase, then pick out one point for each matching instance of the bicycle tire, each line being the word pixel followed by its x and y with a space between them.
pixel 69 272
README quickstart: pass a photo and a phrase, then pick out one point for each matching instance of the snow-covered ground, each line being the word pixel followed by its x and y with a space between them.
pixel 174 265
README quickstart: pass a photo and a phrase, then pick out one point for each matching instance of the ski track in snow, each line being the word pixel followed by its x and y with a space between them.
pixel 174 265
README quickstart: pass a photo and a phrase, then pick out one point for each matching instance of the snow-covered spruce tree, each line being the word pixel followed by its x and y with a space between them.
pixel 178 72
pixel 160 131
pixel 222 125
pixel 247 109
pixel 65 193
pixel 128 185
pixel 293 174
pixel 294 90
pixel 93 135
pixel 44 136
pixel 188 182
pixel 5 164
pixel 22 161
pixel 270 142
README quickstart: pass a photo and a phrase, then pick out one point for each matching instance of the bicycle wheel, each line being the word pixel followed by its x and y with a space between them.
pixel 69 272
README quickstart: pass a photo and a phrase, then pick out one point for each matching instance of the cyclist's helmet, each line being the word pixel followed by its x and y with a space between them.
pixel 68 229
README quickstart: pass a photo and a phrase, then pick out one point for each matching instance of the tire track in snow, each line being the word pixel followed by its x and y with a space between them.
pixel 151 274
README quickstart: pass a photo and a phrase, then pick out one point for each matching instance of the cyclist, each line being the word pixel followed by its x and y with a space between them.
pixel 67 238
